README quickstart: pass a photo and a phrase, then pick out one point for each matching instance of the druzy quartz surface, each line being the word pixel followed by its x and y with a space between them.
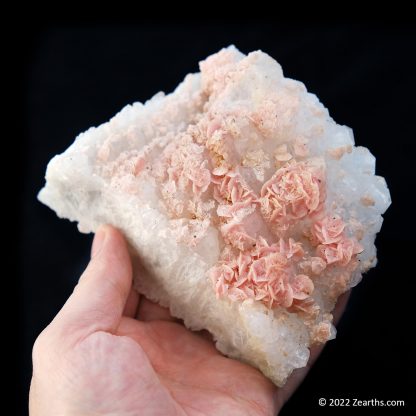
pixel 249 207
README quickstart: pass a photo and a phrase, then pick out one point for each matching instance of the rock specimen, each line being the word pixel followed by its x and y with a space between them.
pixel 249 207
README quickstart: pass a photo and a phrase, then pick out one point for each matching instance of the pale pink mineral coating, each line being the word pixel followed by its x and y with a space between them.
pixel 200 178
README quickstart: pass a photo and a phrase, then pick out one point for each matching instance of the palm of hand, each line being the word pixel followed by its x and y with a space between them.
pixel 95 359
pixel 159 367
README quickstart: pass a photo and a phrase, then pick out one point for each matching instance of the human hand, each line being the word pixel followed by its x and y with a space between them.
pixel 96 359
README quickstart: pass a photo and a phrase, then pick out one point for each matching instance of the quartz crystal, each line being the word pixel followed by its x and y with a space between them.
pixel 249 208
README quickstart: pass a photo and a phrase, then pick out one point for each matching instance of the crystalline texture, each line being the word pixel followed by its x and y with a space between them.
pixel 249 207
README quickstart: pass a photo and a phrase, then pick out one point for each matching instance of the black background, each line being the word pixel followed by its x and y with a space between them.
pixel 74 76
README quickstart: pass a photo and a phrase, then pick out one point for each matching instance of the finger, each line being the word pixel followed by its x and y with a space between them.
pixel 205 334
pixel 340 306
pixel 150 311
pixel 99 299
pixel 130 309
pixel 133 329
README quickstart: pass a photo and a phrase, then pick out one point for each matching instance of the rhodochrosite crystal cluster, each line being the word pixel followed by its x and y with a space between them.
pixel 249 207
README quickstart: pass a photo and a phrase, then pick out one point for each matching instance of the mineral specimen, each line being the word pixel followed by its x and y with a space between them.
pixel 250 208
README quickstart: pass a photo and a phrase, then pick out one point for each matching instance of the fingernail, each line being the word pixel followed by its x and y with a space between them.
pixel 99 238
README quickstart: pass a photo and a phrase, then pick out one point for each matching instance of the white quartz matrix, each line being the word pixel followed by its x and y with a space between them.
pixel 250 209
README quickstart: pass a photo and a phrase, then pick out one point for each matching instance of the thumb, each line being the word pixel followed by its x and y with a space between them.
pixel 98 300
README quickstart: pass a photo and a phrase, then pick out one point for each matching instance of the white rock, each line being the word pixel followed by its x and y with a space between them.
pixel 149 172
